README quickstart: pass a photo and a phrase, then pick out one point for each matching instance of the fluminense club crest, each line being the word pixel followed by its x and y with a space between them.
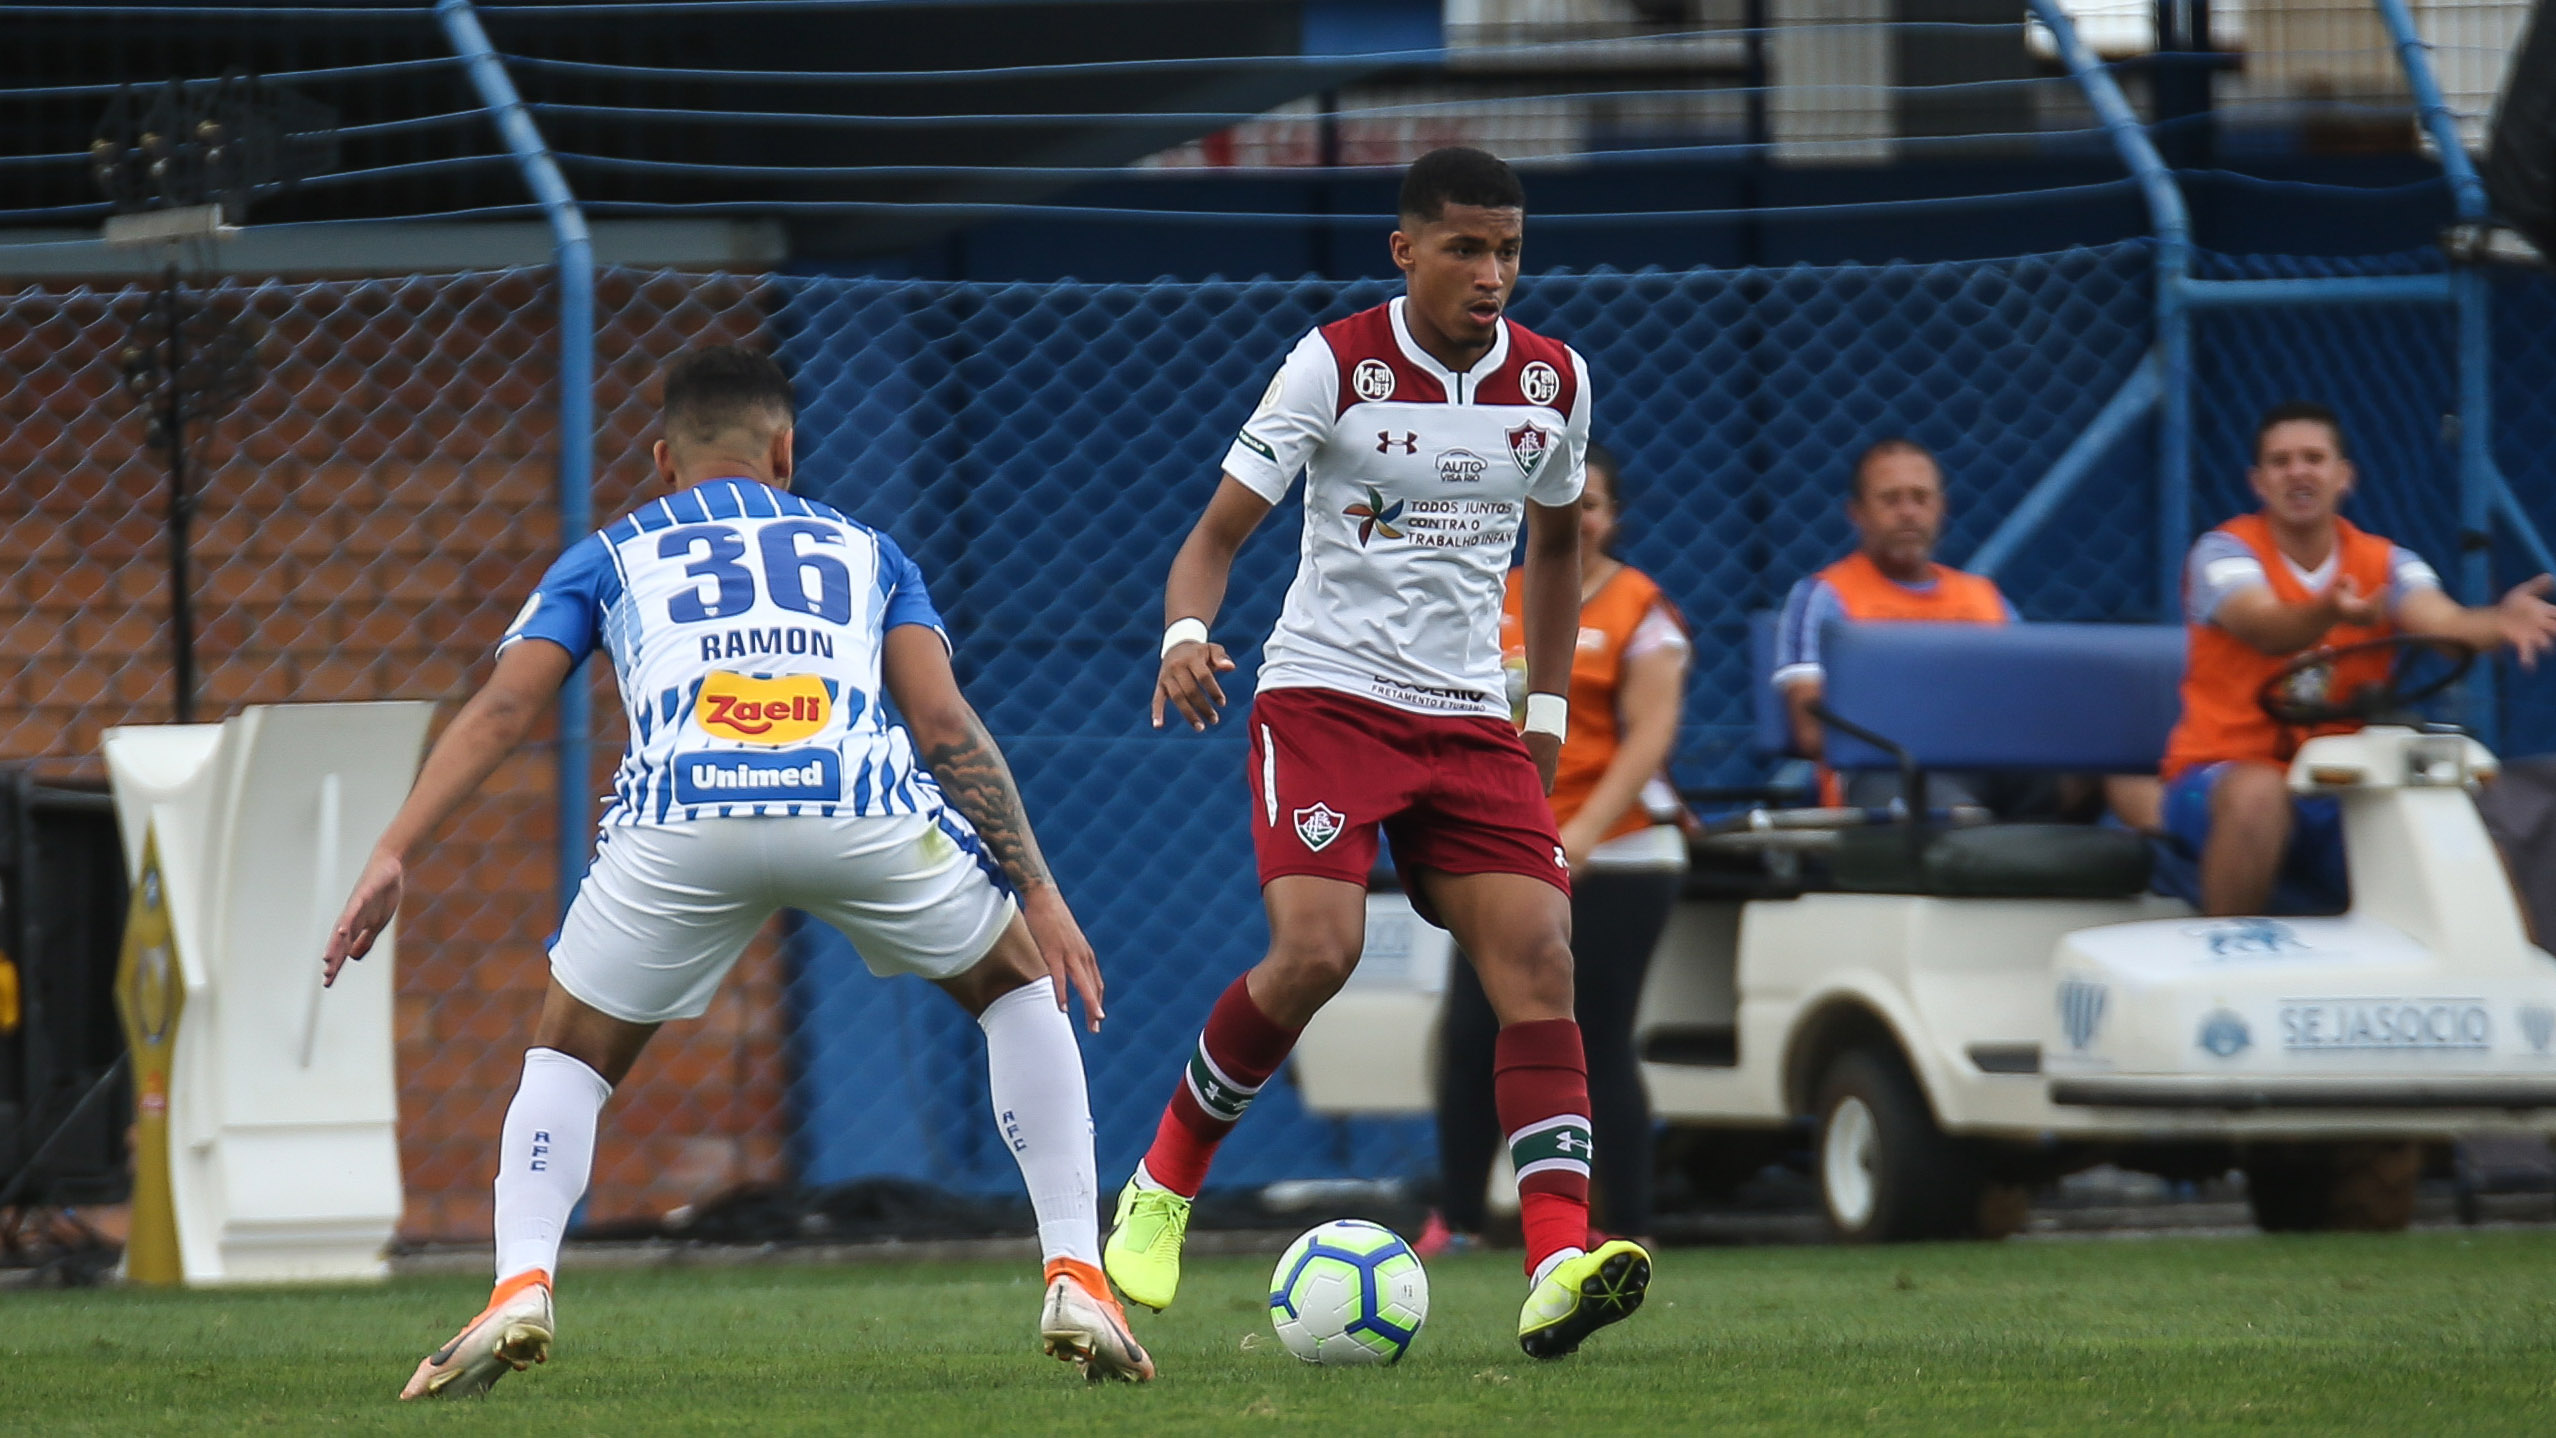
pixel 1318 825
pixel 1528 445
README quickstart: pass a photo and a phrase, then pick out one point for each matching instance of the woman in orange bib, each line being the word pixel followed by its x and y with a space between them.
pixel 1627 856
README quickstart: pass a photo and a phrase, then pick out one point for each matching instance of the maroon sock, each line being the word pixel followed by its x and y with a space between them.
pixel 1238 1051
pixel 1540 1080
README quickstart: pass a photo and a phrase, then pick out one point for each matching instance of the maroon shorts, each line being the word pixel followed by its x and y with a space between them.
pixel 1457 793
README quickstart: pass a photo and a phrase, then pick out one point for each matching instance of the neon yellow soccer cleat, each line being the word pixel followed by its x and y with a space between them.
pixel 1581 1296
pixel 1143 1253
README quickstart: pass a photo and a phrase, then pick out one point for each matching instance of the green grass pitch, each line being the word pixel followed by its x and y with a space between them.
pixel 2417 1334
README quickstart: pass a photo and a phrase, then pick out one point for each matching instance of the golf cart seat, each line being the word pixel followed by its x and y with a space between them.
pixel 2049 698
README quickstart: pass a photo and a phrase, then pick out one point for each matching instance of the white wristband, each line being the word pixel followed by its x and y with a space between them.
pixel 1184 631
pixel 1548 714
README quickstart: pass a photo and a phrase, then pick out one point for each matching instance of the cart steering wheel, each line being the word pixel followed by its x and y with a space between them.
pixel 2293 697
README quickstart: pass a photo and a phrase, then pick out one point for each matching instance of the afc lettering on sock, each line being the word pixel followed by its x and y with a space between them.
pixel 1012 1132
pixel 541 1150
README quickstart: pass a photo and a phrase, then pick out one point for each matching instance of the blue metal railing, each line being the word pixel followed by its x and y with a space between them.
pixel 2173 222
pixel 2484 497
pixel 574 251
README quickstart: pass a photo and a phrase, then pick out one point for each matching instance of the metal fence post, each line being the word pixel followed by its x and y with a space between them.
pixel 2174 318
pixel 574 257
pixel 2477 479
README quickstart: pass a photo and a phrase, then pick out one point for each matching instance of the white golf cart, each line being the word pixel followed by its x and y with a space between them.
pixel 1965 1009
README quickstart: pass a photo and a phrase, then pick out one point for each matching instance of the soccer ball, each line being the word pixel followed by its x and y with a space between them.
pixel 1350 1292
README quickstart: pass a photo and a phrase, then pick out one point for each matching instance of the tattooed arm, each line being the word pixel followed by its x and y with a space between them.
pixel 979 784
pixel 964 758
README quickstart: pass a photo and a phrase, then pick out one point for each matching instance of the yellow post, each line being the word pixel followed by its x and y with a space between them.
pixel 150 992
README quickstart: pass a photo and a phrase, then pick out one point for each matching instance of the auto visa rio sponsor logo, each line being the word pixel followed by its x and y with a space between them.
pixel 1461 466
pixel 754 710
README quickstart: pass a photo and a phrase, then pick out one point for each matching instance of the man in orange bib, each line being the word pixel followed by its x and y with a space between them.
pixel 1897 507
pixel 2260 590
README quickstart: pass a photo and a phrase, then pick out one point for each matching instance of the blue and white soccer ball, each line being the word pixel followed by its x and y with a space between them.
pixel 1350 1292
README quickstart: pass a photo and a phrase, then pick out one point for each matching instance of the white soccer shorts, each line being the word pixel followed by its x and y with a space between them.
pixel 666 909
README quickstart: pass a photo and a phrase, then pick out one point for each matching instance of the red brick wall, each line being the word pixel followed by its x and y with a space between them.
pixel 371 516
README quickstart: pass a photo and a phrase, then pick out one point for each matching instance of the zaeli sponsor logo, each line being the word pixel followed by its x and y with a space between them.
pixel 754 709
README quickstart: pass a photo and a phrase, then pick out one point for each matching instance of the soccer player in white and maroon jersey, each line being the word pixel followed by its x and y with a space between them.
pixel 1428 429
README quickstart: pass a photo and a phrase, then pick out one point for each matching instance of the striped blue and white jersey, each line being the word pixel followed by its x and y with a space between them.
pixel 746 627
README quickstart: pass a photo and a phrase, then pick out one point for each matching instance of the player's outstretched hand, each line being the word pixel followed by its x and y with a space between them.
pixel 368 912
pixel 1062 947
pixel 1546 750
pixel 2527 620
pixel 1188 682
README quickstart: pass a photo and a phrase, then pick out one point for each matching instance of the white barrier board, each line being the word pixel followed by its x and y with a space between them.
pixel 282 1105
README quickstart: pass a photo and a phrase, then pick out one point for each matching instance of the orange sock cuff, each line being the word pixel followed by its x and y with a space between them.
pixel 509 1287
pixel 1083 1273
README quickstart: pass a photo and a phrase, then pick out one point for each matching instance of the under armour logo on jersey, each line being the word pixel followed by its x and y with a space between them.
pixel 1410 442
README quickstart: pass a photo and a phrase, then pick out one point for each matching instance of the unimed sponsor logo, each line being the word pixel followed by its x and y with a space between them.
pixel 747 778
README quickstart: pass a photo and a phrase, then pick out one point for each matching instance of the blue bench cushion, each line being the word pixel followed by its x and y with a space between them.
pixel 2065 698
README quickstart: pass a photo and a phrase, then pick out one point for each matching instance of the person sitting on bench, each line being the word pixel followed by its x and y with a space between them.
pixel 2260 590
pixel 1895 500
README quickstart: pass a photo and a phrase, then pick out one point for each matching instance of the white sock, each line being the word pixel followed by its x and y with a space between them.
pixel 545 1158
pixel 1034 1070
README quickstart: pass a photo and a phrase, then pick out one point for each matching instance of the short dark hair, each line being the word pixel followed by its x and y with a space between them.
pixel 718 388
pixel 2297 411
pixel 1458 175
pixel 1887 444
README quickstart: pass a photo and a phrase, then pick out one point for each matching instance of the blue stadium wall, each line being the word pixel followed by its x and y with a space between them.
pixel 1042 448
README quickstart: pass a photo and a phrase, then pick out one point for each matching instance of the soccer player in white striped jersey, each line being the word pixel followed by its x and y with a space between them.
pixel 753 634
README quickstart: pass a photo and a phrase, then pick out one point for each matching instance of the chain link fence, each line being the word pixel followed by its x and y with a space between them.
pixel 376 506
pixel 367 518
